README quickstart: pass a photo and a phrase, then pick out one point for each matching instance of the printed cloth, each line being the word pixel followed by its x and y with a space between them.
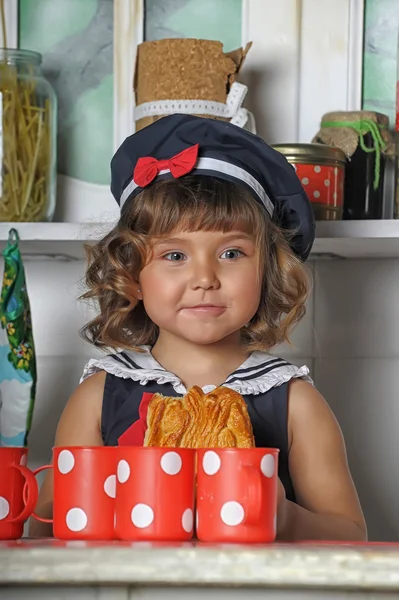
pixel 17 352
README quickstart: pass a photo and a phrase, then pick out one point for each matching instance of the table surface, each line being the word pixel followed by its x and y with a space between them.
pixel 373 566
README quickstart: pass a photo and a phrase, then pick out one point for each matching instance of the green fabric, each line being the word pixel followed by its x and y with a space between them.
pixel 17 352
pixel 363 127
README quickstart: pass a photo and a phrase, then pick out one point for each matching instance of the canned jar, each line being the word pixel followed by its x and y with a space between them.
pixel 365 139
pixel 321 171
pixel 28 119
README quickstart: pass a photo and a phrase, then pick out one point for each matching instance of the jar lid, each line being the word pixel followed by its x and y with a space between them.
pixel 310 152
pixel 14 56
pixel 357 115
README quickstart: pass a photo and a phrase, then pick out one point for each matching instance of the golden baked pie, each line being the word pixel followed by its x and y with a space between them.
pixel 218 419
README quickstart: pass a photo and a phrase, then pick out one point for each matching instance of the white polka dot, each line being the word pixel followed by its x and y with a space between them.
pixel 267 465
pixel 142 515
pixel 123 471
pixel 66 461
pixel 171 463
pixel 305 181
pixel 4 508
pixel 110 486
pixel 211 462
pixel 232 513
pixel 24 460
pixel 187 520
pixel 76 519
pixel 316 194
pixel 327 182
pixel 317 169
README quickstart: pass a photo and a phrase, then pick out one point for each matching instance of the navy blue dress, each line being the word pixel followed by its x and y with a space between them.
pixel 263 382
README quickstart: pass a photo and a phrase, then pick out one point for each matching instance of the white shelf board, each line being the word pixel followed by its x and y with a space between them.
pixel 341 239
pixel 357 239
pixel 57 240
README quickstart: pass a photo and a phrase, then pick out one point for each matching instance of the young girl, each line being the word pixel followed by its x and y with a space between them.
pixel 201 277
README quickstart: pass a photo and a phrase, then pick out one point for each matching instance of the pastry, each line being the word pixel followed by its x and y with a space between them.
pixel 218 419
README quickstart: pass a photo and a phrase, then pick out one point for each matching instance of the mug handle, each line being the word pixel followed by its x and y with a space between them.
pixel 29 497
pixel 33 514
pixel 254 491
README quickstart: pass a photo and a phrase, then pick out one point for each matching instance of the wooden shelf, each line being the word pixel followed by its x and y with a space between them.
pixel 339 239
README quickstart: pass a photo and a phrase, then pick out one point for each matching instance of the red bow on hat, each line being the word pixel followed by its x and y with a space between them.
pixel 147 167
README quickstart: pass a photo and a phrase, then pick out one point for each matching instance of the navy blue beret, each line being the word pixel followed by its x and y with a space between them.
pixel 180 144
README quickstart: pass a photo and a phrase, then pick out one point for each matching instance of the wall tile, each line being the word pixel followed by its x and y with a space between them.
pixel 302 336
pixel 58 376
pixel 363 395
pixel 57 315
pixel 356 308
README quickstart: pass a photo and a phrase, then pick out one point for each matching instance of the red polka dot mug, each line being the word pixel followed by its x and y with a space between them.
pixel 14 508
pixel 84 492
pixel 155 494
pixel 237 495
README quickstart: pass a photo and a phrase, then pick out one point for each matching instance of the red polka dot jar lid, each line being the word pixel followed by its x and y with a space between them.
pixel 321 171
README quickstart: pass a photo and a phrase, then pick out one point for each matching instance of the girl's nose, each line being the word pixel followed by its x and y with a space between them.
pixel 204 275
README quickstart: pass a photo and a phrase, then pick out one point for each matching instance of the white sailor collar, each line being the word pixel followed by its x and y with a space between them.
pixel 258 374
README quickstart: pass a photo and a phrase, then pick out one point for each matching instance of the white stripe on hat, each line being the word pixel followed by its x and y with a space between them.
pixel 218 166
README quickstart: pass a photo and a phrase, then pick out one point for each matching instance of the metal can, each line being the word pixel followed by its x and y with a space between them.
pixel 321 171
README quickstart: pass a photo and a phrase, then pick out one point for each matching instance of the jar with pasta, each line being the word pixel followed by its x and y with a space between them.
pixel 28 121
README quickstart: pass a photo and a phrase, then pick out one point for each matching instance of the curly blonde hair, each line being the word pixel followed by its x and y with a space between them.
pixel 190 204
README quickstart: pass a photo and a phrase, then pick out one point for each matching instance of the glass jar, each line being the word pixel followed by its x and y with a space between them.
pixel 28 108
pixel 321 170
pixel 365 139
pixel 364 198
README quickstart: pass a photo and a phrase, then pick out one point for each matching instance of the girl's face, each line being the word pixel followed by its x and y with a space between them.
pixel 202 286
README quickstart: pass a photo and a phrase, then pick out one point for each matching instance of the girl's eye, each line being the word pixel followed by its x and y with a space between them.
pixel 233 254
pixel 174 256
